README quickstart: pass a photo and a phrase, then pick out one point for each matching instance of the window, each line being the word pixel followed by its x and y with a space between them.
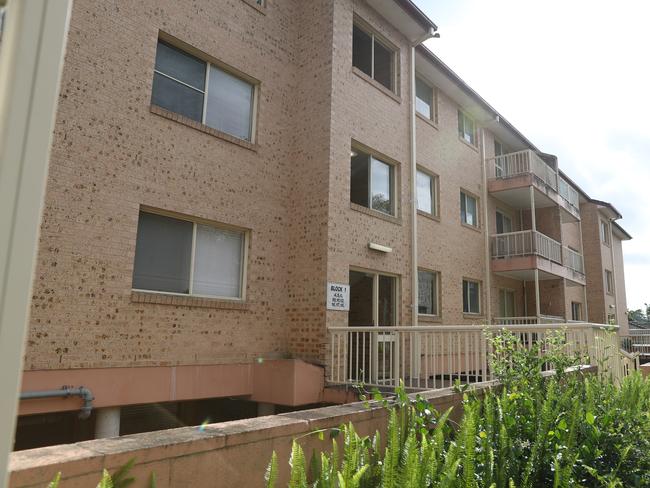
pixel 180 256
pixel 203 92
pixel 471 297
pixel 466 128
pixel 426 100
pixel 372 182
pixel 373 57
pixel 427 193
pixel 427 292
pixel 504 223
pixel 468 209
pixel 604 232
pixel 576 311
pixel 609 281
pixel 506 303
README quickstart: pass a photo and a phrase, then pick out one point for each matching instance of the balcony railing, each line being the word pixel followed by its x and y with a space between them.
pixel 573 260
pixel 526 243
pixel 524 162
pixel 431 357
pixel 528 162
pixel 529 320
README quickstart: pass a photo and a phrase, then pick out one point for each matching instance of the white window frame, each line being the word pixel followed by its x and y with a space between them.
pixel 226 69
pixel 504 215
pixel 195 222
pixel 363 26
pixel 462 117
pixel 469 280
pixel 434 188
pixel 393 178
pixel 465 194
pixel 502 294
pixel 436 276
pixel 433 117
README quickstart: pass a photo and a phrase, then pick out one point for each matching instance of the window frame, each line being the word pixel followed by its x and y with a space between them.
pixel 438 295
pixel 504 215
pixel 209 62
pixel 433 118
pixel 199 221
pixel 502 294
pixel 394 174
pixel 576 306
pixel 435 193
pixel 477 282
pixel 462 116
pixel 466 194
pixel 375 36
pixel 376 274
pixel 610 289
pixel 604 232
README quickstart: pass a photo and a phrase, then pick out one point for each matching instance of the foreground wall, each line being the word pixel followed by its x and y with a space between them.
pixel 225 455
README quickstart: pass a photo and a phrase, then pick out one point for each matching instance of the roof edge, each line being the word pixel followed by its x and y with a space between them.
pixel 418 15
pixel 626 235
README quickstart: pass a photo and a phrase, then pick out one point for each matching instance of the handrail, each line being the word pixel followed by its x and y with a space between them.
pixel 523 162
pixel 526 243
pixel 437 356
pixel 573 259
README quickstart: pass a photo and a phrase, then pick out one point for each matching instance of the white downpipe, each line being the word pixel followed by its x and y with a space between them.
pixel 31 58
pixel 486 233
pixel 414 203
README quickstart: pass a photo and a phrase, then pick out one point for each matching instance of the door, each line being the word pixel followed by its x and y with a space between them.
pixel 373 302
pixel 506 303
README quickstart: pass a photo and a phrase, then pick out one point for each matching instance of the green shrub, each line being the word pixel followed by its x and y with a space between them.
pixel 559 430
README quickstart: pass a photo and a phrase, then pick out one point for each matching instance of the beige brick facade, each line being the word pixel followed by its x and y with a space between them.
pixel 113 154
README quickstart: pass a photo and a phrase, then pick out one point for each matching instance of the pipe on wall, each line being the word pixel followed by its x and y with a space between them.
pixel 64 392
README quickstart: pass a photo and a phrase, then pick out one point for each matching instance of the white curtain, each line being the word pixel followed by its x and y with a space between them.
pixel 218 262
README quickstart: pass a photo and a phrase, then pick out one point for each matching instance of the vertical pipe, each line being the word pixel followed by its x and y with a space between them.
pixel 584 269
pixel 611 249
pixel 486 233
pixel 414 205
pixel 533 225
pixel 107 423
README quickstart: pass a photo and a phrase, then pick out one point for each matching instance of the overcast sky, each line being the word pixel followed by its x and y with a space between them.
pixel 574 77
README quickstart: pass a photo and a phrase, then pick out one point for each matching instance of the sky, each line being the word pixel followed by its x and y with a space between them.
pixel 574 77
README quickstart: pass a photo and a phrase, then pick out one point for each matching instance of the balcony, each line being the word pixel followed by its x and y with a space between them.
pixel 517 254
pixel 510 176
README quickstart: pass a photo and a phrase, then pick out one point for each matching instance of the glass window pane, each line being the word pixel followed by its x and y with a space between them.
pixel 218 261
pixel 387 294
pixel 470 210
pixel 424 194
pixel 424 98
pixel 473 297
pixel 463 208
pixel 427 293
pixel 182 66
pixel 381 174
pixel 383 65
pixel 230 104
pixel 361 50
pixel 359 178
pixel 176 97
pixel 163 254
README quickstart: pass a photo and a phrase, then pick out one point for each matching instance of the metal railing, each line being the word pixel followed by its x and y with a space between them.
pixel 523 162
pixel 526 243
pixel 528 320
pixel 432 357
pixel 573 260
pixel 637 341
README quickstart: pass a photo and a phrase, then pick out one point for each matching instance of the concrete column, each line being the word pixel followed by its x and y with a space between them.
pixel 264 409
pixel 107 423
pixel 537 305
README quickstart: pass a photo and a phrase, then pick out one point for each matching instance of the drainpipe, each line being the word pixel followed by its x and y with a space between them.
pixel 64 392
pixel 611 249
pixel 414 206
pixel 486 233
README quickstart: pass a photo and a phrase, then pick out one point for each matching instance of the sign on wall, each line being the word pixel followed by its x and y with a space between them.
pixel 338 296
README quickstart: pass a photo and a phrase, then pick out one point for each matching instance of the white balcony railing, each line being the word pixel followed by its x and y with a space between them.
pixel 523 162
pixel 526 243
pixel 528 320
pixel 573 260
pixel 637 341
pixel 569 193
pixel 431 357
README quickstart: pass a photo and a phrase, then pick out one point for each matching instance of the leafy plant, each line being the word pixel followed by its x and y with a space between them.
pixel 543 427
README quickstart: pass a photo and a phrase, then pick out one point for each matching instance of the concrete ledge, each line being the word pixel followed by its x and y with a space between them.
pixel 227 454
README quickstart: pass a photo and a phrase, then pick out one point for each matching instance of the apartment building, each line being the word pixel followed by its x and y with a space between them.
pixel 231 179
